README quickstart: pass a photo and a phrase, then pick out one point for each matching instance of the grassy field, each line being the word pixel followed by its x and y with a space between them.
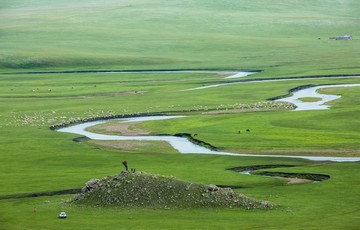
pixel 283 39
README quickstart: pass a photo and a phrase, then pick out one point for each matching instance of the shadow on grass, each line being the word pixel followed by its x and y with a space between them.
pixel 38 194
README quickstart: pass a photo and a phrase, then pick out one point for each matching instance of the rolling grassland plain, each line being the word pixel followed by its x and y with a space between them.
pixel 58 63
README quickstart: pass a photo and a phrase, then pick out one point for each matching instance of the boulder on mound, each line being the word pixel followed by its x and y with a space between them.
pixel 154 191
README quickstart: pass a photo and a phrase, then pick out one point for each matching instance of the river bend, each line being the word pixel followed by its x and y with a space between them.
pixel 181 144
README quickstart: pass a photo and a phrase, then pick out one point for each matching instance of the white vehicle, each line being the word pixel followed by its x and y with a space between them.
pixel 62 215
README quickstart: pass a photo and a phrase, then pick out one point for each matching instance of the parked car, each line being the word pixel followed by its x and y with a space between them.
pixel 62 215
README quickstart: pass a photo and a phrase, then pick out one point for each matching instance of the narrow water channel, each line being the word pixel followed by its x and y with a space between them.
pixel 181 144
pixel 295 98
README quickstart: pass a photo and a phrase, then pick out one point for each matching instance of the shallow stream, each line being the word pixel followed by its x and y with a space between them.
pixel 181 144
pixel 313 92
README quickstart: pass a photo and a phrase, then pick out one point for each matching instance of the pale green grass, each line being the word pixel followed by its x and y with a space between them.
pixel 148 147
pixel 278 37
pixel 281 38
pixel 310 99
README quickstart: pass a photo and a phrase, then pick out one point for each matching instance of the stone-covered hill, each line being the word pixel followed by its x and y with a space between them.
pixel 154 191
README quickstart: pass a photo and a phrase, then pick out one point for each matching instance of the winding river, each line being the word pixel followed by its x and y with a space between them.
pixel 179 143
pixel 184 146
pixel 312 92
pixel 261 80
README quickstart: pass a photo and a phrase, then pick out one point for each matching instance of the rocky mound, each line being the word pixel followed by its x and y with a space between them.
pixel 153 191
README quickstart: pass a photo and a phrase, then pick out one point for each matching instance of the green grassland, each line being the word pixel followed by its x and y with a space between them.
pixel 282 39
pixel 310 99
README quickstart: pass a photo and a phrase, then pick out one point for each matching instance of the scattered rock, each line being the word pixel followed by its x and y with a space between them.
pixel 159 192
pixel 212 188
pixel 91 185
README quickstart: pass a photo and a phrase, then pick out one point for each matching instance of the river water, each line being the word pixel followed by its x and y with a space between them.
pixel 181 144
pixel 312 92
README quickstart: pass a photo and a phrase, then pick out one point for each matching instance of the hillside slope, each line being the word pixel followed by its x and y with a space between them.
pixel 148 190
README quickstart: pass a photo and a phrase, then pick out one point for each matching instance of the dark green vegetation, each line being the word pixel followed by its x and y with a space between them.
pixel 281 38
